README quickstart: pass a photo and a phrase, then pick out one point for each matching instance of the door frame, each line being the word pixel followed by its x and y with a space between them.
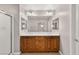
pixel 12 30
pixel 76 31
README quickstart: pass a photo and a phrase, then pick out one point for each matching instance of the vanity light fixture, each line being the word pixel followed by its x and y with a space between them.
pixel 40 12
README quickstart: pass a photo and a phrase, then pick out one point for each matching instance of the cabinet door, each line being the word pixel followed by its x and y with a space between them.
pixel 24 44
pixel 27 44
pixel 21 45
pixel 54 44
pixel 40 43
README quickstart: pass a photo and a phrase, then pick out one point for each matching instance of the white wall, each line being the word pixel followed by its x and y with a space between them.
pixel 68 30
pixel 14 10
pixel 65 30
pixel 73 28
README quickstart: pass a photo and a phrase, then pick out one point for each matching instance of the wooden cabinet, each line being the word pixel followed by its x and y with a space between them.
pixel 39 43
pixel 27 44
pixel 54 44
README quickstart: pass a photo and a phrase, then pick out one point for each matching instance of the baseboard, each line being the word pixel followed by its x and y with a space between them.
pixel 60 53
pixel 16 53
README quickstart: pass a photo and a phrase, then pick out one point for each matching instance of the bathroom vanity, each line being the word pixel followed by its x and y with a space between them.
pixel 39 31
pixel 39 43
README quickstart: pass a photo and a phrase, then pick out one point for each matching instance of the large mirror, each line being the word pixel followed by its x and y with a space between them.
pixel 38 22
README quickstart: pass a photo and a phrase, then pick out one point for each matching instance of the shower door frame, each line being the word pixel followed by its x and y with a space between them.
pixel 12 30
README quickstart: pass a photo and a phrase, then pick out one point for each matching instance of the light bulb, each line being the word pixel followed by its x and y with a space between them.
pixel 42 25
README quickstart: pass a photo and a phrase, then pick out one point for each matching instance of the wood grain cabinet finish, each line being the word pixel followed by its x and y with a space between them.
pixel 39 43
pixel 54 44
